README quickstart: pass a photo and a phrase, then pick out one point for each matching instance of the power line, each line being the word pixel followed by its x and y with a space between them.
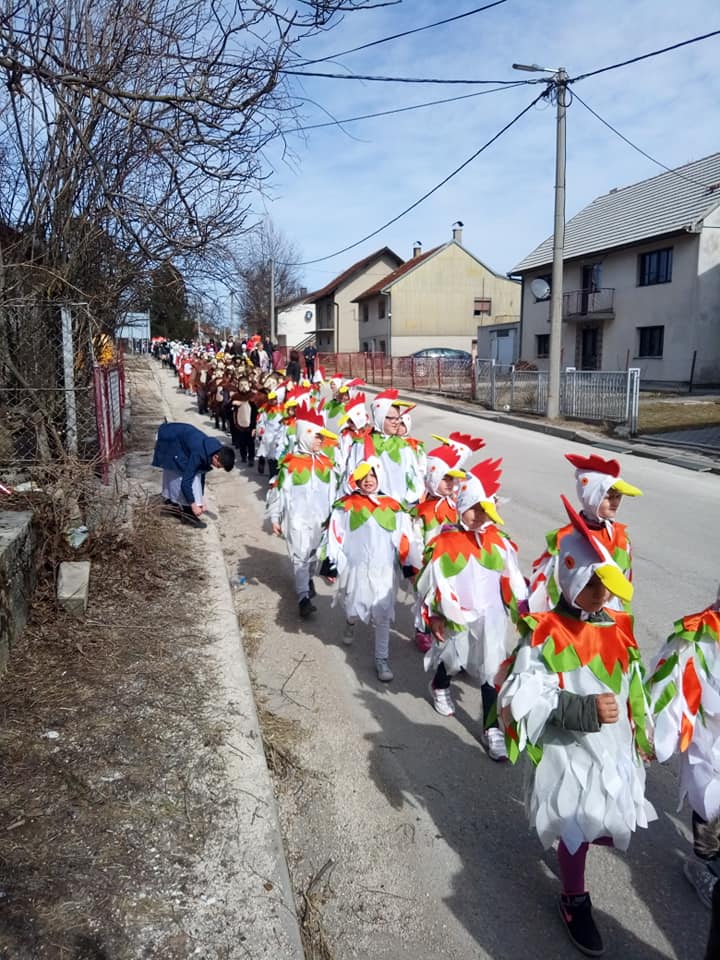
pixel 406 33
pixel 644 56
pixel 361 76
pixel 429 193
pixel 617 133
pixel 386 113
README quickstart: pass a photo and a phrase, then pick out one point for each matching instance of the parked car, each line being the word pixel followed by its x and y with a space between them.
pixel 444 353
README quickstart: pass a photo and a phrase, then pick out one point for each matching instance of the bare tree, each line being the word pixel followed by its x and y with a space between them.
pixel 266 243
pixel 133 132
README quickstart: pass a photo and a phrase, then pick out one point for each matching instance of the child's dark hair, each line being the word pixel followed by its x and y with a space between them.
pixel 226 456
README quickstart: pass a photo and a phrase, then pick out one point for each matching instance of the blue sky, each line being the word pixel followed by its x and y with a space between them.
pixel 337 184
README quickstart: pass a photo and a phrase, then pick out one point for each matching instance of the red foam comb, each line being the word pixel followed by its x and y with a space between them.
pixel 391 394
pixel 472 443
pixel 488 472
pixel 357 401
pixel 579 524
pixel 309 415
pixel 594 463
pixel 446 454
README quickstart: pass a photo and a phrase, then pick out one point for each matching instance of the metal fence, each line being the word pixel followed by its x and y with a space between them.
pixel 437 374
pixel 612 395
pixel 49 390
pixel 601 395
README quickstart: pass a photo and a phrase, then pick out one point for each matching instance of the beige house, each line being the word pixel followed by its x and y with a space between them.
pixel 436 299
pixel 336 310
pixel 641 283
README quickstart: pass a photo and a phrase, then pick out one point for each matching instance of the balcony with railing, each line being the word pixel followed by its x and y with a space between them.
pixel 594 304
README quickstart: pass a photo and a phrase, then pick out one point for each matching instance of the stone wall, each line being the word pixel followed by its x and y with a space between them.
pixel 17 577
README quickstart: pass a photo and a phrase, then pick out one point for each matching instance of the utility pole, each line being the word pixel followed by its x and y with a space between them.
pixel 272 300
pixel 232 312
pixel 559 85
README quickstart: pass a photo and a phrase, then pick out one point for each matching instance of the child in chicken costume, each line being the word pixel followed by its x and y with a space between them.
pixel 573 699
pixel 369 543
pixel 445 466
pixel 600 490
pixel 402 459
pixel 354 425
pixel 269 427
pixel 471 569
pixel 684 691
pixel 300 500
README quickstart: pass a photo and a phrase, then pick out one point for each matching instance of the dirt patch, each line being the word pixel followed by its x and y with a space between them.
pixel 108 757
pixel 113 788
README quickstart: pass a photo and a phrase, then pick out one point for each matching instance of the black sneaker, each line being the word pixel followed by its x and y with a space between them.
pixel 576 914
pixel 306 608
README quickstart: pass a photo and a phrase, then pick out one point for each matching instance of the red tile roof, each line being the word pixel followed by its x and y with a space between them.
pixel 396 274
pixel 347 274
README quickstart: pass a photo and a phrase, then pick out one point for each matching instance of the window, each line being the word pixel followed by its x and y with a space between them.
pixel 482 307
pixel 650 341
pixel 381 308
pixel 655 267
pixel 382 346
pixel 365 346
pixel 542 345
pixel 365 312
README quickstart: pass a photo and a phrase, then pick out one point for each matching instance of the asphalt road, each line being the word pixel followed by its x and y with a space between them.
pixel 432 855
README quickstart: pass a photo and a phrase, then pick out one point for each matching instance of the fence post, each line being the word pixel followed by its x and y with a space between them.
pixel 71 438
pixel 633 399
pixel 492 385
pixel 439 374
pixel 474 379
pixel 412 372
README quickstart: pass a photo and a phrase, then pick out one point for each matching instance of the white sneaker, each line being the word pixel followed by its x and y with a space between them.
pixel 384 673
pixel 493 740
pixel 348 633
pixel 442 701
pixel 702 878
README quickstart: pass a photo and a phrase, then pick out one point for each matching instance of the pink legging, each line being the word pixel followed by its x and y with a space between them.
pixel 572 865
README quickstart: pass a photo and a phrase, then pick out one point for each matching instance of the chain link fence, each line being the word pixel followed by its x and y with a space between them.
pixel 47 389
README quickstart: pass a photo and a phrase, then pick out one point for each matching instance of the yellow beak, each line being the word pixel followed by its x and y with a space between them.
pixel 490 509
pixel 613 578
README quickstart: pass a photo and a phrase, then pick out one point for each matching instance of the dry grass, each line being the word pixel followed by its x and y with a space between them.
pixel 252 630
pixel 280 736
pixel 659 414
pixel 315 942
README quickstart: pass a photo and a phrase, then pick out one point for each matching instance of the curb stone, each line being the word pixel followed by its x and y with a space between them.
pixel 248 772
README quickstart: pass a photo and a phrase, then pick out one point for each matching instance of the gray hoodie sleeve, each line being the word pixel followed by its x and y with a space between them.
pixel 575 712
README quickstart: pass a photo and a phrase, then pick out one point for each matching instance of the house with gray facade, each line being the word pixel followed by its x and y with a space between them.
pixel 641 285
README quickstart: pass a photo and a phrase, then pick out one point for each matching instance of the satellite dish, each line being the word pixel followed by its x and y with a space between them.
pixel 540 289
pixel 308 314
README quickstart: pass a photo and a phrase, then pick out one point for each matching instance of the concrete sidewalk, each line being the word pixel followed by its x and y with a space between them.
pixel 245 875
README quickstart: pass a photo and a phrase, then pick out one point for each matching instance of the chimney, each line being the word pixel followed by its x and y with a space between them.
pixel 417 248
pixel 457 231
